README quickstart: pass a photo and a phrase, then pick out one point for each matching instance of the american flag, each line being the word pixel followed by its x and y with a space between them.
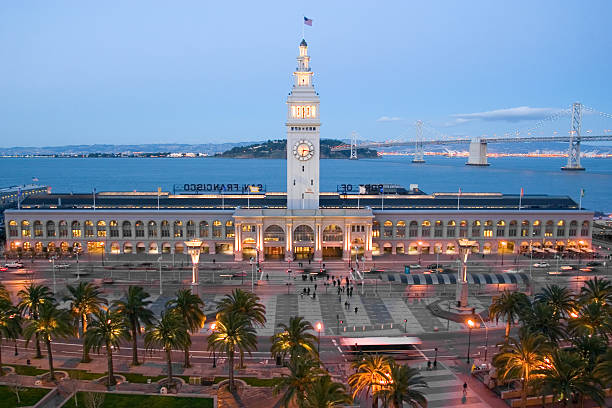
pixel 307 21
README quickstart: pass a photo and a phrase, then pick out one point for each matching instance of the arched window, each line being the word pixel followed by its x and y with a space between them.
pixel 501 228
pixel 217 229
pixel 89 229
pixel 101 228
pixel 512 228
pixel 229 229
pixel 548 231
pixel 332 233
pixel 63 229
pixel 561 228
pixel 413 229
pixel 13 228
pixel 113 228
pixel 426 228
pixel 438 228
pixel 400 229
pixel 488 229
pixel 139 229
pixel 191 233
pixel 451 228
pixel 203 229
pixel 165 230
pixel 463 229
pixel 525 228
pixel 476 228
pixel 76 229
pixel 537 228
pixel 274 233
pixel 303 233
pixel 178 229
pixel 573 228
pixel 50 229
pixel 127 231
pixel 25 229
pixel 584 231
pixel 38 229
pixel 152 232
pixel 375 229
pixel 388 229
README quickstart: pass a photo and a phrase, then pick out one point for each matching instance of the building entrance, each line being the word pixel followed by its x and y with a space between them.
pixel 332 252
pixel 274 252
pixel 303 252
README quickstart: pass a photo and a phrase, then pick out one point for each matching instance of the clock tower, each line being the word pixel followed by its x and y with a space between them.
pixel 303 138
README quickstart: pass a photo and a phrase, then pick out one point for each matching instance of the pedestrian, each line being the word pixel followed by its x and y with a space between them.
pixel 356 309
pixel 334 282
pixel 214 260
pixel 339 299
pixel 314 295
pixel 338 290
pixel 267 277
pixel 308 261
pixel 308 291
pixel 346 305
pixel 315 287
pixel 428 365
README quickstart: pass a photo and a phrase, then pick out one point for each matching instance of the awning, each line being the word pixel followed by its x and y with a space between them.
pixel 451 279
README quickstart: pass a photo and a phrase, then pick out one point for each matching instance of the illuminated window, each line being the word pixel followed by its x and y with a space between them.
pixel 303 111
pixel 38 229
pixel 216 229
pixel 438 229
pixel 113 228
pixel 451 228
pixel 13 229
pixel 476 228
pixel 229 229
pixel 388 229
pixel 139 229
pixel 426 228
pixel 332 233
pixel 548 231
pixel 560 228
pixel 537 228
pixel 89 230
pixel 463 229
pixel 203 229
pixel 274 233
pixel 50 229
pixel 375 229
pixel 303 233
pixel 76 229
pixel 512 228
pixel 400 230
pixel 101 228
pixel 178 229
pixel 152 231
pixel 191 232
pixel 488 229
pixel 501 228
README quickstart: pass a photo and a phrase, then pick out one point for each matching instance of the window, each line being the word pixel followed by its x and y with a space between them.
pixel 413 229
pixel 584 231
pixel 332 233
pixel 537 228
pixel 451 228
pixel 89 230
pixel 512 228
pixel 139 229
pixel 152 230
pixel 76 229
pixel 229 229
pixel 38 229
pixel 375 229
pixel 561 228
pixel 476 228
pixel 101 228
pixel 426 229
pixel 127 229
pixel 463 229
pixel 488 229
pixel 165 229
pixel 274 233
pixel 248 228
pixel 203 229
pixel 216 230
pixel 438 229
pixel 113 227
pixel 548 231
pixel 525 228
pixel 63 229
pixel 573 228
pixel 501 228
pixel 13 230
pixel 400 230
pixel 303 233
pixel 190 229
pixel 178 229
pixel 388 229
pixel 50 229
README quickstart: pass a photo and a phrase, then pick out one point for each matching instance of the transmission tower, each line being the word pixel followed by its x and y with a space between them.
pixel 573 154
pixel 418 144
pixel 353 146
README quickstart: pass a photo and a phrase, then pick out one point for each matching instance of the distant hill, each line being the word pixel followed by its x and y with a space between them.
pixel 277 149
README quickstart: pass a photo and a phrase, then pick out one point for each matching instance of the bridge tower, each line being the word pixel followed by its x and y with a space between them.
pixel 418 144
pixel 353 146
pixel 573 153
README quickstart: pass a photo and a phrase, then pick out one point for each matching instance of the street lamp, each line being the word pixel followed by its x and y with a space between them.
pixel 470 324
pixel 486 336
pixel 420 243
pixel 319 327
pixel 503 244
pixel 405 322
pixel 213 326
pixel 52 260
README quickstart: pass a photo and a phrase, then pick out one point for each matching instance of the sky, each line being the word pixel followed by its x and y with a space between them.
pixel 74 72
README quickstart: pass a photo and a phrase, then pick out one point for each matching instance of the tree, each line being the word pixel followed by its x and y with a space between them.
pixel 592 319
pixel 370 376
pixel 294 387
pixel 168 333
pixel 540 318
pixel 107 328
pixel 189 307
pixel 233 333
pixel 52 323
pixel 403 384
pixel 603 369
pixel 520 358
pixel 560 300
pixel 596 290
pixel 323 392
pixel 134 310
pixel 566 378
pixel 85 299
pixel 10 323
pixel 508 306
pixel 4 294
pixel 296 339
pixel 589 348
pixel 30 300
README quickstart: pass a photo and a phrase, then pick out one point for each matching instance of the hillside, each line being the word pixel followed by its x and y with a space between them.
pixel 277 149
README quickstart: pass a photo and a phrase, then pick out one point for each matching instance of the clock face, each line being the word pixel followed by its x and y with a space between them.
pixel 303 150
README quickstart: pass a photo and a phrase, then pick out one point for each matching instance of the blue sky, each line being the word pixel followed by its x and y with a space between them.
pixel 76 72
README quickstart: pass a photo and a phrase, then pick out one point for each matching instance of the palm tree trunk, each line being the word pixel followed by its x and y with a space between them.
pixel 85 358
pixel 110 379
pixel 231 371
pixel 524 395
pixel 374 402
pixel 241 359
pixel 508 326
pixel 38 353
pixel 169 359
pixel 48 341
pixel 1 370
pixel 134 344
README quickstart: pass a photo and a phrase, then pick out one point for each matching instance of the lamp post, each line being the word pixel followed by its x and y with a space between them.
pixel 503 244
pixel 470 324
pixel 435 363
pixel 194 247
pixel 213 326
pixel 420 243
pixel 319 327
pixel 77 262
pixel 52 260
pixel 160 275
pixel 486 336
pixel 405 323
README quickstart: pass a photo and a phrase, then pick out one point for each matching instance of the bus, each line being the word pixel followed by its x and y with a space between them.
pixel 402 347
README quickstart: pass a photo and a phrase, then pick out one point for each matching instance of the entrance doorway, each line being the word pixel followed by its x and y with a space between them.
pixel 274 252
pixel 332 252
pixel 302 252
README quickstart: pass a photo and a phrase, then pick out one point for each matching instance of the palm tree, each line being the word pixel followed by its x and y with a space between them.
pixel 52 323
pixel 519 359
pixel 566 378
pixel 4 294
pixel 540 318
pixel 168 333
pixel 561 300
pixel 596 290
pixel 403 385
pixel 370 376
pixel 508 306
pixel 592 319
pixel 296 339
pixel 294 387
pixel 30 300
pixel 233 333
pixel 10 323
pixel 107 328
pixel 589 348
pixel 323 392
pixel 603 369
pixel 189 307
pixel 85 299
pixel 134 310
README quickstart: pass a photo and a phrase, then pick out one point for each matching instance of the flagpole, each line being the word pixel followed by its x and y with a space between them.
pixel 520 199
pixel 581 194
pixel 458 198
pixel 94 199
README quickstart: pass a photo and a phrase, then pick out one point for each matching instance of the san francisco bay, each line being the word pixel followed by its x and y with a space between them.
pixel 506 175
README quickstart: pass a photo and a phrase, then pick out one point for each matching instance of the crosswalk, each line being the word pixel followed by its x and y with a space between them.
pixel 446 390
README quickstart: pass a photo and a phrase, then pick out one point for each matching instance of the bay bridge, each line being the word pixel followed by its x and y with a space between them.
pixel 478 145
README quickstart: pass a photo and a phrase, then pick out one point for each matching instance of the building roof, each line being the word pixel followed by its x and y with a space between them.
pixel 437 201
pixel 303 43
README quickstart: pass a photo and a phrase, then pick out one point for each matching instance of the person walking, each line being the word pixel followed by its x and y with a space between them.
pixel 356 309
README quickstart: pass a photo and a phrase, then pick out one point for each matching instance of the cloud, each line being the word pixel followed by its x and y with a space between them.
pixel 456 121
pixel 509 115
pixel 388 119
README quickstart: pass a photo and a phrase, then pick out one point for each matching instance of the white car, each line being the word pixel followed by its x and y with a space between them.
pixel 62 266
pixel 541 265
pixel 513 271
pixel 14 265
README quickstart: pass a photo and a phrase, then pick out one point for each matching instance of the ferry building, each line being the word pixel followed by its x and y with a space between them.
pixel 302 222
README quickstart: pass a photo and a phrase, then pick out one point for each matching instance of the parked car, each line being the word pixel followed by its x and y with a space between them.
pixel 62 266
pixel 594 263
pixel 3 269
pixel 14 265
pixel 541 265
